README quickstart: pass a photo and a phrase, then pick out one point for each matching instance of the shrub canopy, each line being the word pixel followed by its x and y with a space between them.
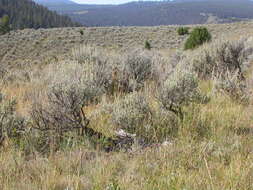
pixel 183 31
pixel 147 45
pixel 197 37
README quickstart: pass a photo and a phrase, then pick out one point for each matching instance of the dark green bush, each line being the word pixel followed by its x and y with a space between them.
pixel 147 45
pixel 197 37
pixel 81 32
pixel 183 31
pixel 4 25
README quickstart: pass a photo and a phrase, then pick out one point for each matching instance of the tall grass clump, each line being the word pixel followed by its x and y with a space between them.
pixel 198 36
pixel 182 31
pixel 12 127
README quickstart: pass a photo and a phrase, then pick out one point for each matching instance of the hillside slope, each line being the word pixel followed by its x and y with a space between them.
pixel 159 13
pixel 37 46
pixel 27 14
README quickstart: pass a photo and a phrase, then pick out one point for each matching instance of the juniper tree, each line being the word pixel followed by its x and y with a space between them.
pixel 5 25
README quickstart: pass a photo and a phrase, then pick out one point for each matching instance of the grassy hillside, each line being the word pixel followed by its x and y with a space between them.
pixel 98 111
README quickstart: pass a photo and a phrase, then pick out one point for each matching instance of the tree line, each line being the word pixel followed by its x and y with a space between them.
pixel 27 14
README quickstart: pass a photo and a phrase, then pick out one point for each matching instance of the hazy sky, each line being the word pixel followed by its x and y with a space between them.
pixel 101 1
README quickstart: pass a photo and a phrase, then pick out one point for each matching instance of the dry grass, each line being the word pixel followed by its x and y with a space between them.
pixel 221 162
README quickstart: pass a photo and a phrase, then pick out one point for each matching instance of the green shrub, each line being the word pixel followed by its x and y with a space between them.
pixel 4 25
pixel 183 31
pixel 197 37
pixel 147 45
pixel 81 32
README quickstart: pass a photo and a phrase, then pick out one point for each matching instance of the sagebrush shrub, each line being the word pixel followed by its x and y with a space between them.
pixel 183 31
pixel 203 63
pixel 70 73
pixel 232 85
pixel 134 114
pixel 63 112
pixel 226 63
pixel 105 69
pixel 126 73
pixel 232 56
pixel 220 57
pixel 198 36
pixel 100 65
pixel 88 54
pixel 137 67
pixel 178 90
pixel 64 107
pixel 130 112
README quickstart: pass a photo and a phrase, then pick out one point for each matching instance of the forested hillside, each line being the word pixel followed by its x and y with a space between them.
pixel 27 14
pixel 153 13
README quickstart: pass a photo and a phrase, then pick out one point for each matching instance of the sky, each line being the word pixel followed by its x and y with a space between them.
pixel 102 1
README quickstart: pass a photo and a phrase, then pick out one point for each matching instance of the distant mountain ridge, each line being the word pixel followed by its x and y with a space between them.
pixel 54 2
pixel 153 13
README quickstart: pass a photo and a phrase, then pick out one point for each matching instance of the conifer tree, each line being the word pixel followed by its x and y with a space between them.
pixel 5 25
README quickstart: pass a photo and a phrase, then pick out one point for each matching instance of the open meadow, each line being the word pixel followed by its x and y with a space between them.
pixel 93 109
